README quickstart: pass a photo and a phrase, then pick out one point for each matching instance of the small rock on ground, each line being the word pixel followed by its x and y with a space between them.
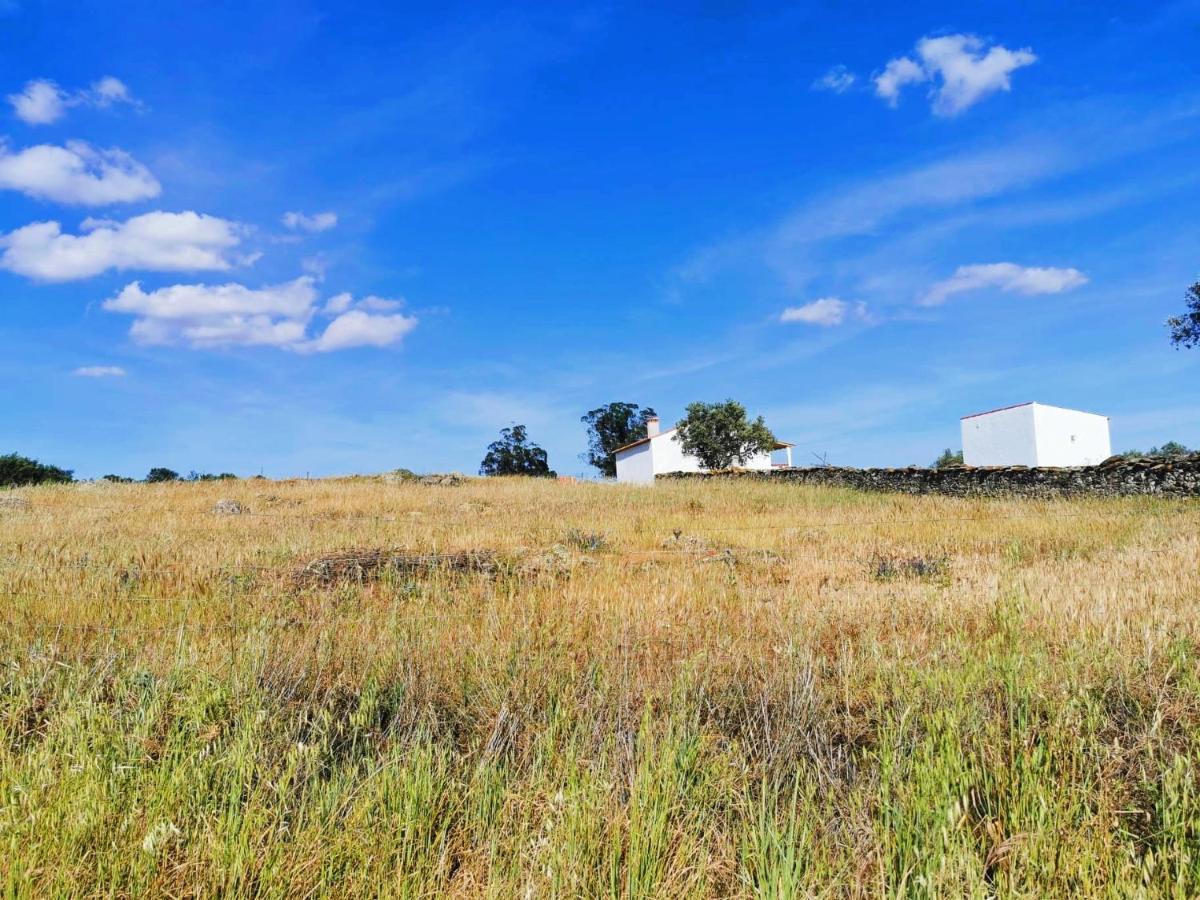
pixel 228 508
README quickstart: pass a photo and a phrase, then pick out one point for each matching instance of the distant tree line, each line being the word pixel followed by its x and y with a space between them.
pixel 719 435
pixel 18 471
pixel 1169 449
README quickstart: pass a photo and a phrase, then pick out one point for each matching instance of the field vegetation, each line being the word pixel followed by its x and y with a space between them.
pixel 521 687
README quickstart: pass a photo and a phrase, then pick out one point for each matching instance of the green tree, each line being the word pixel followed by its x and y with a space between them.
pixel 948 458
pixel 159 474
pixel 514 454
pixel 20 470
pixel 1170 448
pixel 721 434
pixel 609 427
pixel 1185 329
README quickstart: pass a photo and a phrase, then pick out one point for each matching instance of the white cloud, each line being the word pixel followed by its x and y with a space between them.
pixel 77 174
pixel 207 316
pixel 42 102
pixel 99 372
pixel 1007 277
pixel 838 79
pixel 826 312
pixel 156 241
pixel 109 90
pixel 896 75
pixel 298 221
pixel 964 71
pixel 357 328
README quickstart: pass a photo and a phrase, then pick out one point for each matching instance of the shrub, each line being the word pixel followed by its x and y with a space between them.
pixel 159 474
pixel 948 458
pixel 18 470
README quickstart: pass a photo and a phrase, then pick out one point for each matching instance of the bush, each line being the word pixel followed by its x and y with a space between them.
pixel 948 458
pixel 1167 450
pixel 160 474
pixel 116 479
pixel 18 470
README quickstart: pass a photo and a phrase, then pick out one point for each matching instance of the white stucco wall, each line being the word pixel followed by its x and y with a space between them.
pixel 663 453
pixel 1035 434
pixel 669 455
pixel 1068 437
pixel 636 465
pixel 1005 437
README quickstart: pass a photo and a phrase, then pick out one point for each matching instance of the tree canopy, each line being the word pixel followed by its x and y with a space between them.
pixel 948 458
pixel 609 427
pixel 16 470
pixel 1185 328
pixel 1169 449
pixel 160 474
pixel 514 454
pixel 721 434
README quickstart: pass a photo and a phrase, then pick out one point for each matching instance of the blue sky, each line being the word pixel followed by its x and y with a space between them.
pixel 328 238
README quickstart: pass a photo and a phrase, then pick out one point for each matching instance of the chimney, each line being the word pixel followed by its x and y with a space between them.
pixel 652 426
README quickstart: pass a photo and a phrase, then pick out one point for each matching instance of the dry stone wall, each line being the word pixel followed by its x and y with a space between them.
pixel 1115 477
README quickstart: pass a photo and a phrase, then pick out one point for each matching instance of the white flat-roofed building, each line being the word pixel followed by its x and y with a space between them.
pixel 1034 434
pixel 660 452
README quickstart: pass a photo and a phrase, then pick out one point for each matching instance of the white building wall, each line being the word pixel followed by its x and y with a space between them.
pixel 636 465
pixel 1005 437
pixel 1068 437
pixel 663 453
pixel 669 455
pixel 1035 435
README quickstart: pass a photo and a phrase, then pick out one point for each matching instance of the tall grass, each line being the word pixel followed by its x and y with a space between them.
pixel 180 716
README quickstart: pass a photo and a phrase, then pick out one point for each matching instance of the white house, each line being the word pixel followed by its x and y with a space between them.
pixel 1034 434
pixel 661 452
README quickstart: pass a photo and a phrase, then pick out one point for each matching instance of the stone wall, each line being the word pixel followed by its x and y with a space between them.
pixel 1115 477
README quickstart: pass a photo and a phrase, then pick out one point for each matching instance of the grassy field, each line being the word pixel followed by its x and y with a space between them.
pixel 701 689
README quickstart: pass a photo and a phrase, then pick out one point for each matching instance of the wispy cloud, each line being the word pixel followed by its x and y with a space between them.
pixel 836 80
pixel 317 222
pixel 961 67
pixel 77 174
pixel 826 312
pixel 788 247
pixel 43 102
pixel 99 372
pixel 1005 276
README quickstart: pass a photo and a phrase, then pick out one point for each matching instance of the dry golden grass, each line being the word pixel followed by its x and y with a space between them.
pixel 696 689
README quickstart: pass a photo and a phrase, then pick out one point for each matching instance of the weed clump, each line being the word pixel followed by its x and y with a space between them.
pixel 587 541
pixel 370 564
pixel 884 568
